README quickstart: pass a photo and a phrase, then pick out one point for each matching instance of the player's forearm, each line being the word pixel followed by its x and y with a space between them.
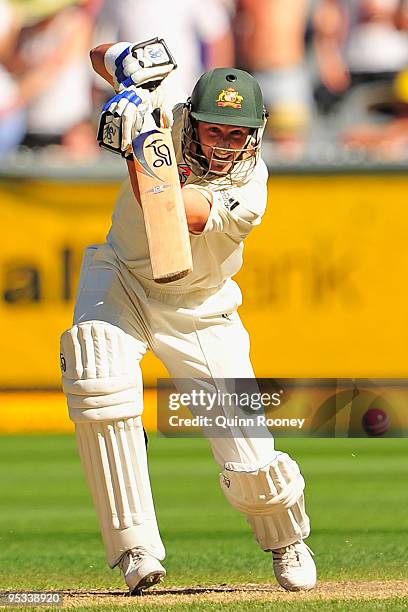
pixel 197 206
pixel 197 209
pixel 97 55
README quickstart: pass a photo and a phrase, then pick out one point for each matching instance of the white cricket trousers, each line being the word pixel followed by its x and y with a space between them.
pixel 187 332
pixel 195 335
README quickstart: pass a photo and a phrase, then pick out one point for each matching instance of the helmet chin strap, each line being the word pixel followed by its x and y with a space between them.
pixel 195 142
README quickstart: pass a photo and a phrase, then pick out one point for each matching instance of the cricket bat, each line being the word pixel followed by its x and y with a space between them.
pixel 154 163
pixel 154 174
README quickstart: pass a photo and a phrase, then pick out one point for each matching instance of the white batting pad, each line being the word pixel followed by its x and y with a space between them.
pixel 114 457
pixel 100 369
pixel 102 381
pixel 272 499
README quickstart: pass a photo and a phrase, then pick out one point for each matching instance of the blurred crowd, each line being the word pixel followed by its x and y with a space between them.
pixel 334 72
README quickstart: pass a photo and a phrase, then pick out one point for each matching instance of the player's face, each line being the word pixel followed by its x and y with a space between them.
pixel 221 144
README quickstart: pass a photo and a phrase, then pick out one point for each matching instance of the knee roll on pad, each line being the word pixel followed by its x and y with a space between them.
pixel 272 499
pixel 101 375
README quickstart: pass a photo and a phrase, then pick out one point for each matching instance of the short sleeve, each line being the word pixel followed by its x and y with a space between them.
pixel 237 210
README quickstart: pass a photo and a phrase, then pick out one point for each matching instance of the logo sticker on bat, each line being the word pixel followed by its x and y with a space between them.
pixel 159 188
pixel 161 153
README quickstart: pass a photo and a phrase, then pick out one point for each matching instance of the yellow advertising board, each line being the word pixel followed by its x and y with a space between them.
pixel 323 279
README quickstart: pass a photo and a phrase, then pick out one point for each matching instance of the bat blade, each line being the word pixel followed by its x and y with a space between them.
pixel 162 205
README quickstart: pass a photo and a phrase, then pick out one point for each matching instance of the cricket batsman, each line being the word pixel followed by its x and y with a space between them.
pixel 191 324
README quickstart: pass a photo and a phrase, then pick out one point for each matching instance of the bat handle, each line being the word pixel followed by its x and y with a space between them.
pixel 151 121
pixel 157 116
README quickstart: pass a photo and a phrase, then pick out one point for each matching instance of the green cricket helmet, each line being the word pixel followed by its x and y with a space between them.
pixel 226 96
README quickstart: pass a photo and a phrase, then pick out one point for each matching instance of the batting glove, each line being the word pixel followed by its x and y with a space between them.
pixel 122 119
pixel 123 116
pixel 144 64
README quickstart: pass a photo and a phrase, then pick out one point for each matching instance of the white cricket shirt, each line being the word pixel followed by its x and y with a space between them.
pixel 217 251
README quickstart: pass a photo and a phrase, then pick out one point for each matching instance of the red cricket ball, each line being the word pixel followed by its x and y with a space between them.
pixel 375 422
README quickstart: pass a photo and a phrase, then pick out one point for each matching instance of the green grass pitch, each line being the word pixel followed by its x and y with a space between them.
pixel 357 497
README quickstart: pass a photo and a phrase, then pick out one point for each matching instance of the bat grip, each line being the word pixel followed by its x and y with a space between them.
pixel 151 87
pixel 156 116
pixel 151 121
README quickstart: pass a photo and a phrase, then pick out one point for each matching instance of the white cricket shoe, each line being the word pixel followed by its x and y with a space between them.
pixel 294 567
pixel 140 570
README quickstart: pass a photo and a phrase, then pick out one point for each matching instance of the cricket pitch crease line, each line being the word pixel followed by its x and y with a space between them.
pixel 347 590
